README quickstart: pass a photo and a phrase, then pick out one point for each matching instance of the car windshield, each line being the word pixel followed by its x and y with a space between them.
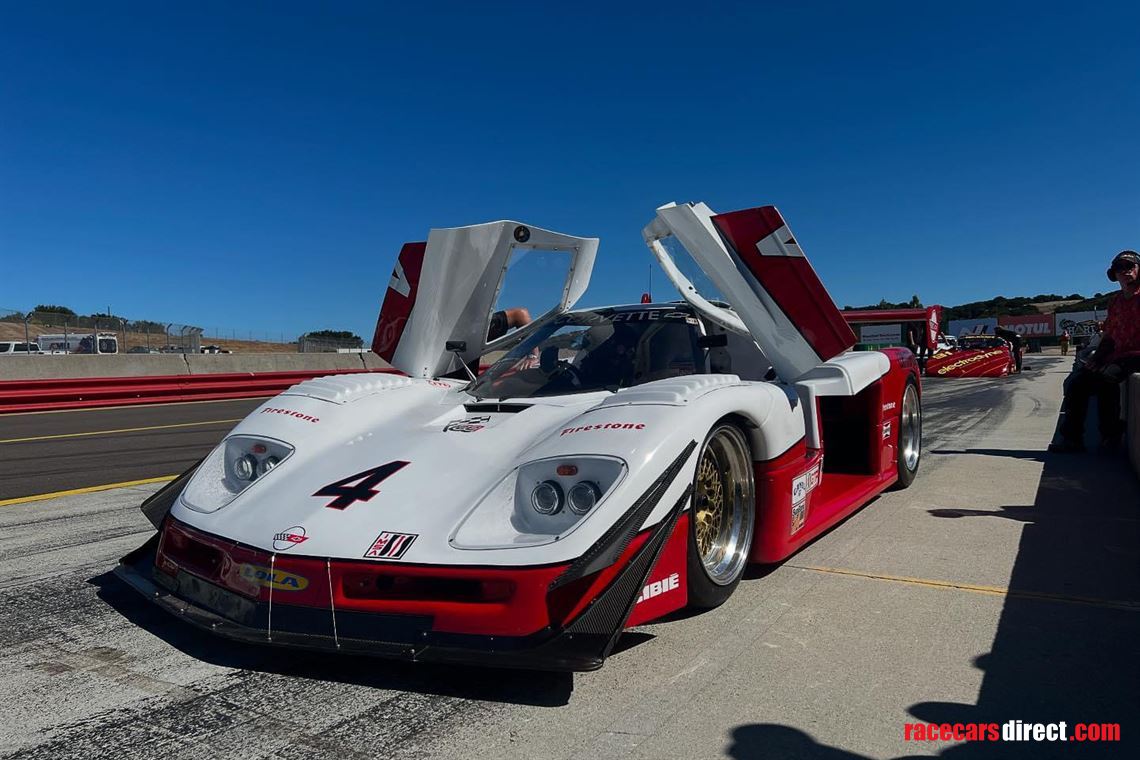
pixel 606 349
pixel 976 342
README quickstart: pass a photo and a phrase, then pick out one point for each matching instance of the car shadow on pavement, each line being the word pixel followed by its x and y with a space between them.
pixel 536 688
pixel 1065 648
pixel 1031 455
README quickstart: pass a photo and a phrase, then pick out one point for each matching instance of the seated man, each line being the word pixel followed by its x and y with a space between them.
pixel 1117 356
pixel 504 320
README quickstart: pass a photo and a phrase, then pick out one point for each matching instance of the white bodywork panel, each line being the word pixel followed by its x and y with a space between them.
pixel 449 472
pixel 462 274
pixel 844 375
pixel 755 312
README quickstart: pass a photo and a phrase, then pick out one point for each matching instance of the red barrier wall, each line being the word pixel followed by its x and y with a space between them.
pixel 77 393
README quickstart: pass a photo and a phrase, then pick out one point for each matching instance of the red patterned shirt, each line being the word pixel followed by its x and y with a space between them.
pixel 1123 326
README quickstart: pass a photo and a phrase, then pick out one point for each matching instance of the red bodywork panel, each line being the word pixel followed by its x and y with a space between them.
pixel 666 590
pixel 460 599
pixel 397 306
pixel 990 362
pixel 858 462
pixel 790 280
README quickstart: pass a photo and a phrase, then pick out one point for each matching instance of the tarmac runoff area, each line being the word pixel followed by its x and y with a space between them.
pixel 1004 584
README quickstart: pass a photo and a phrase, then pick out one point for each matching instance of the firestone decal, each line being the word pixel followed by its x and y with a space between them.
pixel 288 538
pixel 889 406
pixel 606 426
pixel 290 413
pixel 277 579
pixel 466 425
pixel 390 545
pixel 657 588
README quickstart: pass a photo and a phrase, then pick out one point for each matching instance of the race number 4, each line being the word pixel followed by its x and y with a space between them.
pixel 359 487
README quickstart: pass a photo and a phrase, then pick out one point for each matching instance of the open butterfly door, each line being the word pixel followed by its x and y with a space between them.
pixel 447 289
pixel 753 259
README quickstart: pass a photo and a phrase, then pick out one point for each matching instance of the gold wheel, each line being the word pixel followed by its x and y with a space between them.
pixel 709 504
pixel 723 506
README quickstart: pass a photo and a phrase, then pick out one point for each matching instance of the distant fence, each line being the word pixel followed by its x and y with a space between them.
pixel 148 336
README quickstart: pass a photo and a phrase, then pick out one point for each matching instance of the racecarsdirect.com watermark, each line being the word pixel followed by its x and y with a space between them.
pixel 1011 731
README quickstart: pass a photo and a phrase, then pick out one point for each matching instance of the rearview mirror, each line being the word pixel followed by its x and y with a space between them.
pixel 456 346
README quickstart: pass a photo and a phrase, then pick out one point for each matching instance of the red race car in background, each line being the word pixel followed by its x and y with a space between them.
pixel 975 356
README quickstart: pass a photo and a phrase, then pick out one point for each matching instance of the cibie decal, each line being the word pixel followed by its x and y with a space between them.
pixel 291 413
pixel 288 538
pixel 390 545
pixel 277 579
pixel 359 487
pixel 886 430
pixel 657 588
pixel 605 426
pixel 466 425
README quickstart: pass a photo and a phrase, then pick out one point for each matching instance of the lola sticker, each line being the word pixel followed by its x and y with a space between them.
pixel 277 579
pixel 390 545
pixel 288 538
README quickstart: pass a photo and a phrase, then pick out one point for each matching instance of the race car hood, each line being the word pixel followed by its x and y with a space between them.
pixel 404 434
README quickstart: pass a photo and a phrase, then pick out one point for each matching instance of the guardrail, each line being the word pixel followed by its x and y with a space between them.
pixel 83 392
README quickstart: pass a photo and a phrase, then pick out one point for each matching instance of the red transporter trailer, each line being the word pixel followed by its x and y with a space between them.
pixel 931 317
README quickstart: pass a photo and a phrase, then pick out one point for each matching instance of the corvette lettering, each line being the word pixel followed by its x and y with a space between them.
pixel 657 588
pixel 605 426
pixel 289 538
pixel 277 579
pixel 648 316
pixel 291 413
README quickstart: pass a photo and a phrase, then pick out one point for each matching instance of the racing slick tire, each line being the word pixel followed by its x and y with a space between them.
pixel 910 435
pixel 722 516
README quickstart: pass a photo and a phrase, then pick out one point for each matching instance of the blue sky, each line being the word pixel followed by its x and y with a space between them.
pixel 258 165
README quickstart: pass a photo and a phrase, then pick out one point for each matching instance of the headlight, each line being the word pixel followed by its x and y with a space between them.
pixel 238 462
pixel 546 498
pixel 540 502
pixel 583 496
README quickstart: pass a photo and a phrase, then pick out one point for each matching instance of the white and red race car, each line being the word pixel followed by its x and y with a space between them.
pixel 614 465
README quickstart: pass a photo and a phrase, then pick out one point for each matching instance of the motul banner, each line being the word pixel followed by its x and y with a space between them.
pixel 960 327
pixel 1029 326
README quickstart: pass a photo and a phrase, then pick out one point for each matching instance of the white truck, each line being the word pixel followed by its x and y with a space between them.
pixel 79 343
pixel 13 348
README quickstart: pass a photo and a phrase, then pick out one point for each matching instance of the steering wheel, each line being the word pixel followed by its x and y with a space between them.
pixel 574 372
